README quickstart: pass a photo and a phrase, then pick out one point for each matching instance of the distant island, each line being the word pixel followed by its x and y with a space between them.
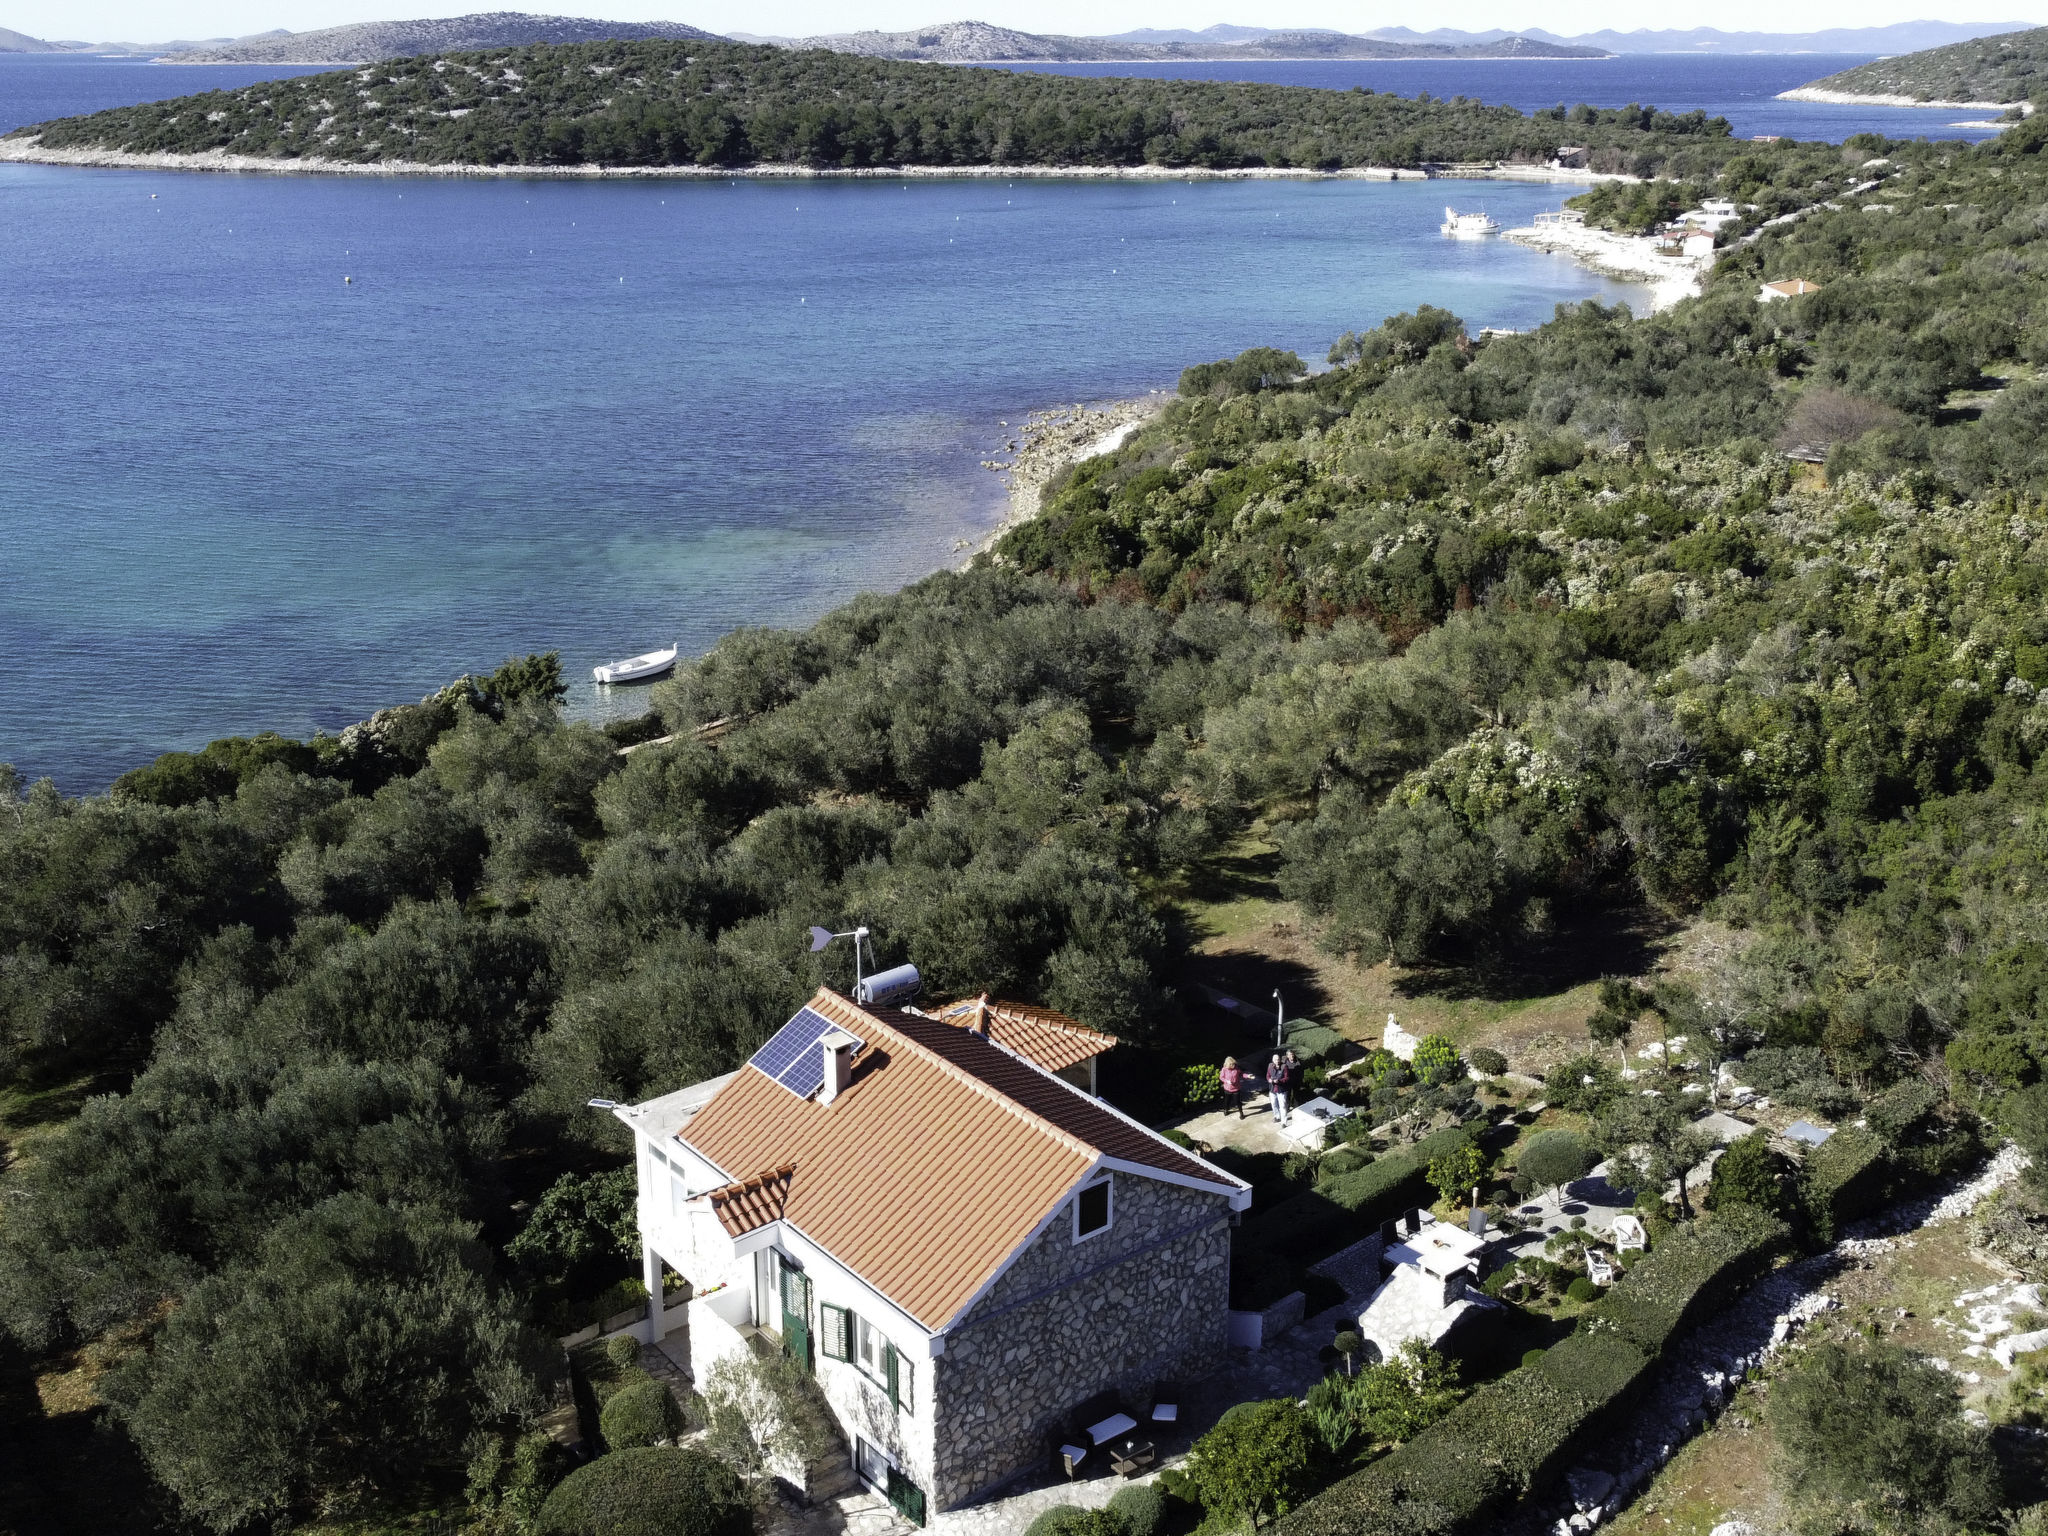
pixel 710 105
pixel 374 40
pixel 1984 72
pixel 976 42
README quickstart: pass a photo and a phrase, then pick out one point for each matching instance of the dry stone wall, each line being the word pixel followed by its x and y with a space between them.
pixel 1142 1301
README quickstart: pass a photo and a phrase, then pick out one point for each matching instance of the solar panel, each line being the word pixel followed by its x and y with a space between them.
pixel 791 1055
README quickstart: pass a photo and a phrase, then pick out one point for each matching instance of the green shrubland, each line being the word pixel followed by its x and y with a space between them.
pixel 1507 642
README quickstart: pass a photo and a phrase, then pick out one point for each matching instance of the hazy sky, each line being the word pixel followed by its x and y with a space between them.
pixel 159 20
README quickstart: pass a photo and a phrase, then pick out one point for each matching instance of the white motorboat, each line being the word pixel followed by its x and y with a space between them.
pixel 636 669
pixel 1467 226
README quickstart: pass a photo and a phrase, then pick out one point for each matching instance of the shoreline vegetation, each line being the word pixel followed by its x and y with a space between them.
pixel 1054 440
pixel 2001 70
pixel 720 107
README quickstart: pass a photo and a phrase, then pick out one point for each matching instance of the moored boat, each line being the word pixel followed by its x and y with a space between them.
pixel 636 669
pixel 1467 226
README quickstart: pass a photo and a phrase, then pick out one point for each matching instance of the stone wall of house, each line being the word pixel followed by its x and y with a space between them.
pixel 1142 1301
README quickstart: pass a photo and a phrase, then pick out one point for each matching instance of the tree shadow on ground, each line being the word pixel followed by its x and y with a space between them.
pixel 1234 876
pixel 1252 979
pixel 68 1472
pixel 1600 941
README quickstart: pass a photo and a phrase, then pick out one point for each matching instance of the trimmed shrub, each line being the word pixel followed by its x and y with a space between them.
pixel 1599 1366
pixel 649 1491
pixel 1141 1508
pixel 1901 1109
pixel 1844 1177
pixel 1072 1520
pixel 1582 1289
pixel 1553 1159
pixel 1487 1061
pixel 641 1413
pixel 622 1349
pixel 1340 1162
pixel 1312 1043
pixel 1533 1357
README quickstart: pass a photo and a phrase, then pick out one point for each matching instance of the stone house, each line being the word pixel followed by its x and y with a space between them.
pixel 932 1214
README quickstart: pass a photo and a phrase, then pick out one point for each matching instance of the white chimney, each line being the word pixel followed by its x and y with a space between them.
pixel 838 1047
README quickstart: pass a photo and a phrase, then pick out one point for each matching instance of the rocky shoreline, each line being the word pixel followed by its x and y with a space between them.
pixel 1627 258
pixel 1859 99
pixel 1050 440
pixel 29 150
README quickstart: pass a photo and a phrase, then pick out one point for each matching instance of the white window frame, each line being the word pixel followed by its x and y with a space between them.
pixel 882 1453
pixel 865 1336
pixel 1106 1181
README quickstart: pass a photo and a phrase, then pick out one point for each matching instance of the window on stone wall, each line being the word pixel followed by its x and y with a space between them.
pixel 1093 1209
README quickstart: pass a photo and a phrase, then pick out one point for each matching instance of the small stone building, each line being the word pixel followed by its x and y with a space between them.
pixel 954 1234
pixel 1431 1289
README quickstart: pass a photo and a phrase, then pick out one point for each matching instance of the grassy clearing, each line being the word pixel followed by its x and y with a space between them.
pixel 29 1114
pixel 1248 940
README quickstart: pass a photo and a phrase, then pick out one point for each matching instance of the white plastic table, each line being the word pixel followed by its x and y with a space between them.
pixel 1116 1424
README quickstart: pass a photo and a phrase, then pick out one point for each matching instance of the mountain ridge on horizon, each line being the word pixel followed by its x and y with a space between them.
pixel 975 41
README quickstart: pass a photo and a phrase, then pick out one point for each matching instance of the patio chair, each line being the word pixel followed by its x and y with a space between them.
pixel 1069 1456
pixel 1165 1402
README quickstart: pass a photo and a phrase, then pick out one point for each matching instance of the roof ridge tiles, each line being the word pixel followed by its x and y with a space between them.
pixel 959 1073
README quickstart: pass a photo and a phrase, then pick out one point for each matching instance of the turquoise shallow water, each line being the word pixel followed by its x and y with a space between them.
pixel 237 493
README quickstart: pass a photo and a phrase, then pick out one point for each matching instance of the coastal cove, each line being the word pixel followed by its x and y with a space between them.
pixel 593 416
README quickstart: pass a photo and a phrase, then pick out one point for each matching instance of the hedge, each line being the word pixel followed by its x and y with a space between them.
pixel 1844 1177
pixel 649 1491
pixel 1854 1172
pixel 1312 1225
pixel 1513 1434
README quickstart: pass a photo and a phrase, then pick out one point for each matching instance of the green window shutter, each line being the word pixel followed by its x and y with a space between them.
pixel 836 1326
pixel 890 1366
pixel 906 1497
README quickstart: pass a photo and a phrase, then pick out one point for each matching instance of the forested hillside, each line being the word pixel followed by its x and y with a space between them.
pixel 2011 66
pixel 727 104
pixel 1505 641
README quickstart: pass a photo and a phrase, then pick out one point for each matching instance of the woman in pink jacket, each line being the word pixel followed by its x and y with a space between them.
pixel 1233 1086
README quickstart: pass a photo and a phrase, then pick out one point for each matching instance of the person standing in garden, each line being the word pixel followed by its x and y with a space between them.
pixel 1233 1086
pixel 1277 1085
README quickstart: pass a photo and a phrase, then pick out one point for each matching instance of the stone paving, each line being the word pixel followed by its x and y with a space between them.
pixel 1254 1132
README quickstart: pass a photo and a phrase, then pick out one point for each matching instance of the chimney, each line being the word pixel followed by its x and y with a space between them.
pixel 838 1047
pixel 980 1024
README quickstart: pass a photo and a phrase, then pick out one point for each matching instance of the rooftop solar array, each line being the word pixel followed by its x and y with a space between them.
pixel 791 1055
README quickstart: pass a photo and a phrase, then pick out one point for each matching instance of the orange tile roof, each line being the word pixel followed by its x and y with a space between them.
pixel 1052 1040
pixel 931 1168
pixel 752 1202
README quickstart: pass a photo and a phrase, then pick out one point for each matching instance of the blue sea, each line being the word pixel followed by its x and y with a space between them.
pixel 280 450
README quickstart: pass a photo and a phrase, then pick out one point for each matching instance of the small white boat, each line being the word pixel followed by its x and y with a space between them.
pixel 1467 226
pixel 636 669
